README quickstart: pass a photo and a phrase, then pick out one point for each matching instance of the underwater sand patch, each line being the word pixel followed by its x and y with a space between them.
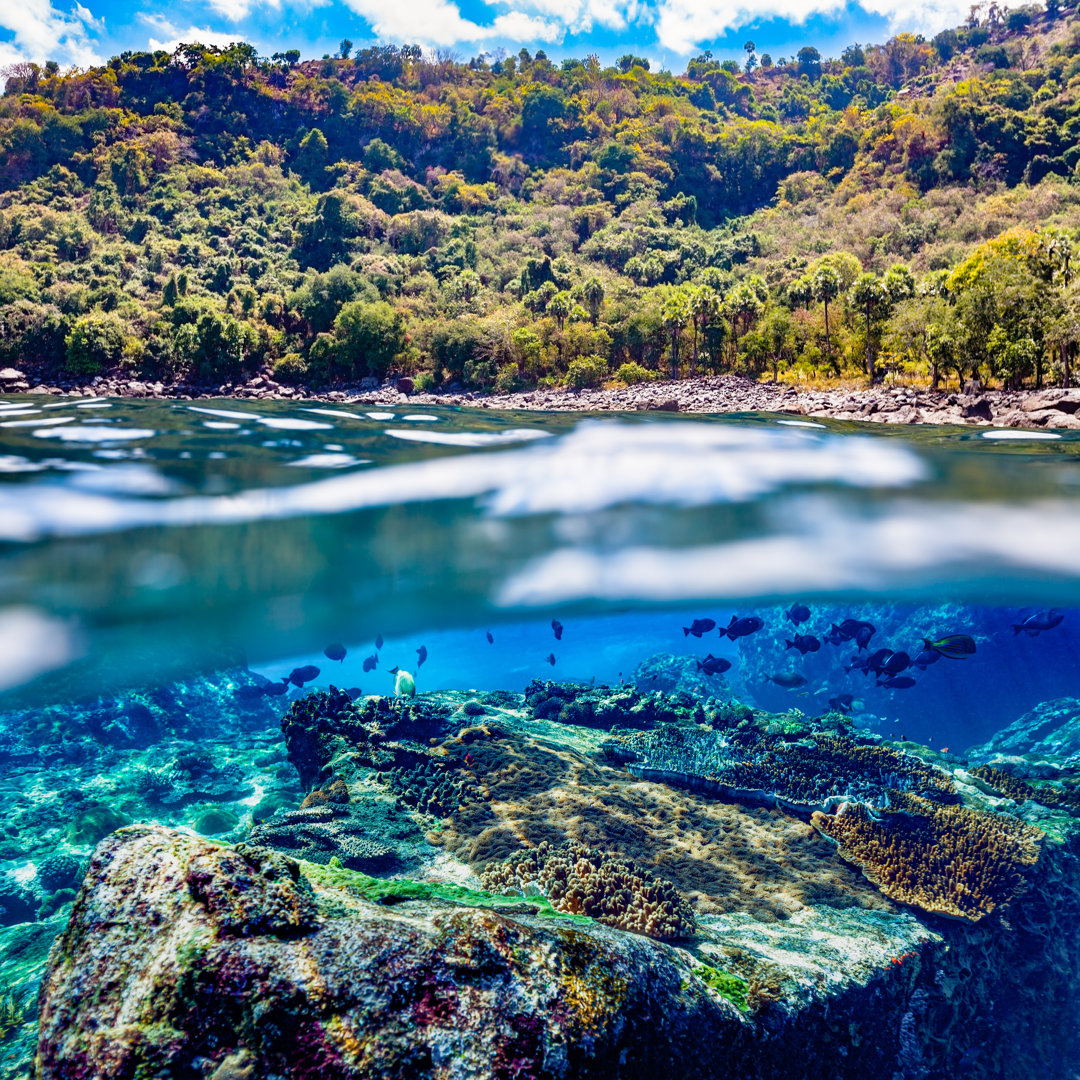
pixel 723 856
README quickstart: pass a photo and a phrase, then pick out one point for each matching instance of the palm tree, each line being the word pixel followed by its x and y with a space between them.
pixel 592 292
pixel 675 314
pixel 705 303
pixel 826 286
pixel 870 294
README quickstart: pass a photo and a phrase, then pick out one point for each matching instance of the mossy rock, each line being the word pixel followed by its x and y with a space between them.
pixel 271 803
pixel 215 821
pixel 94 824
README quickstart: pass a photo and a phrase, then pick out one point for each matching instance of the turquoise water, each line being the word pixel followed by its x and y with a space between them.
pixel 156 557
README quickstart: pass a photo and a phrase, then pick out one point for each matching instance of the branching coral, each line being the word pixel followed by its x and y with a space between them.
pixel 584 881
pixel 947 860
pixel 813 773
pixel 1012 787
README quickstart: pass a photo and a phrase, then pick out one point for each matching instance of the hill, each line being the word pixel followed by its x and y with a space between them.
pixel 908 211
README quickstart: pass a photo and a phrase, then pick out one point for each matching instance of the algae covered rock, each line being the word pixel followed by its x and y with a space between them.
pixel 1051 729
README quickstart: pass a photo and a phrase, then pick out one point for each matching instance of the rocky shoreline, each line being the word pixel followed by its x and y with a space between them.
pixel 1053 408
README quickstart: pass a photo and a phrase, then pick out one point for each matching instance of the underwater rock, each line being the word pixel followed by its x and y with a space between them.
pixel 17 905
pixel 322 832
pixel 187 958
pixel 59 872
pixel 679 675
pixel 93 823
pixel 607 707
pixel 1051 729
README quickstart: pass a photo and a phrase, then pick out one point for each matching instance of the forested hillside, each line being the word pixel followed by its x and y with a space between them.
pixel 907 211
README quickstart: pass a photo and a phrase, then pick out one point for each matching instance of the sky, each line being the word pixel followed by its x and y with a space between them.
pixel 666 32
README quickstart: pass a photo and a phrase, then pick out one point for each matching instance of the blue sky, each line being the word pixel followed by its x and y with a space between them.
pixel 667 32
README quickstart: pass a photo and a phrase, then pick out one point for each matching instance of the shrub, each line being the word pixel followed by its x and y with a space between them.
pixel 290 368
pixel 508 379
pixel 586 371
pixel 93 343
pixel 633 373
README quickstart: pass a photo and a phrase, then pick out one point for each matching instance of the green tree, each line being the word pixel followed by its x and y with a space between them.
pixel 345 48
pixel 871 297
pixel 675 315
pixel 312 157
pixel 592 292
pixel 369 336
pixel 94 343
pixel 706 305
pixel 826 286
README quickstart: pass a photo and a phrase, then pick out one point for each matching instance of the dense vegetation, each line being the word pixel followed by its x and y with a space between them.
pixel 906 211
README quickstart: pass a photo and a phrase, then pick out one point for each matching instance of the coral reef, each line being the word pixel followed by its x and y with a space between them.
pixel 607 707
pixel 324 831
pixel 584 881
pixel 93 823
pixel 679 675
pixel 945 860
pixel 815 773
pixel 1067 797
pixel 59 872
pixel 433 788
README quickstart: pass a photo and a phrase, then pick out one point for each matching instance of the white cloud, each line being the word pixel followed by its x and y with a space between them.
pixel 41 32
pixel 581 16
pixel 685 25
pixel 439 22
pixel 173 35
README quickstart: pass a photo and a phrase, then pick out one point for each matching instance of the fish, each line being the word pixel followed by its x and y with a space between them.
pixel 371 662
pixel 834 637
pixel 954 646
pixel 354 692
pixel 925 658
pixel 743 627
pixel 299 676
pixel 276 689
pixel 550 658
pixel 713 665
pixel 250 692
pixel 863 636
pixel 558 628
pixel 899 661
pixel 394 670
pixel 804 643
pixel 491 639
pixel 789 680
pixel 875 662
pixel 842 702
pixel 421 655
pixel 859 663
pixel 849 629
pixel 404 685
pixel 335 652
pixel 1041 620
pixel 699 627
pixel 897 682
pixel 378 643
pixel 798 613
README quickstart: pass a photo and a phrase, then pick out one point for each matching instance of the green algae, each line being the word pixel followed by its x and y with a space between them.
pixel 726 985
pixel 400 890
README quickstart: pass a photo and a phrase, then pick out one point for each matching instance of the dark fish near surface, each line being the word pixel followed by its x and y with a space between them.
pixel 421 655
pixel 738 628
pixel 954 646
pixel 378 643
pixel 491 639
pixel 925 658
pixel 558 628
pixel 875 662
pixel 334 652
pixel 1041 620
pixel 371 662
pixel 863 636
pixel 798 613
pixel 897 682
pixel 699 627
pixel 276 689
pixel 834 637
pixel 550 658
pixel 299 676
pixel 713 665
pixel 804 643
pixel 899 661
pixel 842 702
pixel 789 680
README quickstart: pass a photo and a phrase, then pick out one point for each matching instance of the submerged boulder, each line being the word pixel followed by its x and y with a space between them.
pixel 1051 729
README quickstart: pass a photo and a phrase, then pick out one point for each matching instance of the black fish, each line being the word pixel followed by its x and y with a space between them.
pixel 954 646
pixel 557 627
pixel 276 689
pixel 738 628
pixel 859 663
pixel 863 636
pixel 925 658
pixel 394 670
pixel 421 655
pixel 899 661
pixel 804 643
pixel 334 652
pixel 250 692
pixel 491 640
pixel 550 658
pixel 378 643
pixel 875 662
pixel 713 665
pixel 699 627
pixel 299 676
pixel 354 692
pixel 798 613
pixel 842 702
pixel 370 662
pixel 897 682
pixel 834 637
pixel 1041 620
pixel 789 680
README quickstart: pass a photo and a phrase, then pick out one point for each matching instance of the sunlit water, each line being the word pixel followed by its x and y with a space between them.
pixel 146 542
